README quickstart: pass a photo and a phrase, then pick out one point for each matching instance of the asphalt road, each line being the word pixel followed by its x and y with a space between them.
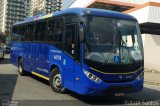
pixel 32 91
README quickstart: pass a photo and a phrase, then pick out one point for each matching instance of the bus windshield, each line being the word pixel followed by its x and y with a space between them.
pixel 112 41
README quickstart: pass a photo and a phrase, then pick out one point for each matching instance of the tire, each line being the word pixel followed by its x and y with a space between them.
pixel 20 68
pixel 55 81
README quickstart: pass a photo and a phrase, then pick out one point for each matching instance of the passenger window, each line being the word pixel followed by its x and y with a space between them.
pixel 15 34
pixel 55 31
pixel 30 32
pixel 21 33
pixel 40 31
pixel 51 31
pixel 59 30
pixel 71 18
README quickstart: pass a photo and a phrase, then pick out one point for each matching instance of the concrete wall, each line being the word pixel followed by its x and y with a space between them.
pixel 152 52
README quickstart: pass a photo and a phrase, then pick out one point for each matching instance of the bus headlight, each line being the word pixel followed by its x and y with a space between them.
pixel 140 76
pixel 92 76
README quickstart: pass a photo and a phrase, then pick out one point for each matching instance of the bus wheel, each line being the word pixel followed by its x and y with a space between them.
pixel 20 68
pixel 56 81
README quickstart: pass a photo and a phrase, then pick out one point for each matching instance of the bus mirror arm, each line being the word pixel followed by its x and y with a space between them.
pixel 133 39
pixel 81 32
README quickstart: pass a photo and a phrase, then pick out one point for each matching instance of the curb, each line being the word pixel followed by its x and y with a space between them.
pixel 152 82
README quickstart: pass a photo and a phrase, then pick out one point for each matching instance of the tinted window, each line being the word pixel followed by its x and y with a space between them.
pixel 55 30
pixel 30 32
pixel 51 31
pixel 100 30
pixel 21 33
pixel 71 18
pixel 58 30
pixel 15 34
pixel 40 31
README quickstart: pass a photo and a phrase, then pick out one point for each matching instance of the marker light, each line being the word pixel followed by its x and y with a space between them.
pixel 92 77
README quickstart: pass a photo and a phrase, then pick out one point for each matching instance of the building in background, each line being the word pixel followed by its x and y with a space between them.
pixel 45 6
pixel 12 11
pixel 57 5
pixel 147 13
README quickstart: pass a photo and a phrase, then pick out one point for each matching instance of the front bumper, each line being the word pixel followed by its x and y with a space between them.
pixel 104 88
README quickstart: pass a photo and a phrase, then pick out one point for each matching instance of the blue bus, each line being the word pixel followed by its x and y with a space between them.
pixel 88 51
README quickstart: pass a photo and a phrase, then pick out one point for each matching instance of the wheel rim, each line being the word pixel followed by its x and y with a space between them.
pixel 57 81
pixel 20 68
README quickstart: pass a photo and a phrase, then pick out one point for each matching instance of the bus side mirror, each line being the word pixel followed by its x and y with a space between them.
pixel 133 38
pixel 132 35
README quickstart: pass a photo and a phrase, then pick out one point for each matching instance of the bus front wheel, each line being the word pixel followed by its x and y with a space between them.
pixel 56 81
pixel 20 68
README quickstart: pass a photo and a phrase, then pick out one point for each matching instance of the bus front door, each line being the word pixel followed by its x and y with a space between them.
pixel 68 61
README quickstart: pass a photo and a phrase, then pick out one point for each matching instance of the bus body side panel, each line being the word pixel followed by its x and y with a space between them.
pixel 42 64
pixel 38 62
pixel 34 53
pixel 68 72
pixel 27 56
pixel 14 53
pixel 65 64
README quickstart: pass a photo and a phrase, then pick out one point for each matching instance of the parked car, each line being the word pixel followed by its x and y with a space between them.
pixel 1 52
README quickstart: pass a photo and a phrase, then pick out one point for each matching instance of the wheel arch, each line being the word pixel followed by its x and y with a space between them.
pixel 55 66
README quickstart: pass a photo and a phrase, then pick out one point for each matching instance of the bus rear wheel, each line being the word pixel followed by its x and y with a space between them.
pixel 20 68
pixel 56 81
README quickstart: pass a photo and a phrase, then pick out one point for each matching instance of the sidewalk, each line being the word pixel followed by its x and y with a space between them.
pixel 152 78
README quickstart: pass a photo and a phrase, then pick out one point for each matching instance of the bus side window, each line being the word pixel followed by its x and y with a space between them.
pixel 59 30
pixel 21 33
pixel 40 31
pixel 51 31
pixel 15 34
pixel 29 36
